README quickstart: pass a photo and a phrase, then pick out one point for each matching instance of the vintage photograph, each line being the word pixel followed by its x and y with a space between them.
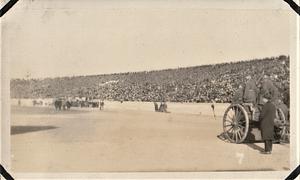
pixel 148 86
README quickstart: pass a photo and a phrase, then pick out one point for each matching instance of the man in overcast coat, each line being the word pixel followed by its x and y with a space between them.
pixel 267 117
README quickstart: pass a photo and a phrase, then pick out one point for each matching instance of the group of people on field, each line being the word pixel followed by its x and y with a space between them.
pixel 264 95
pixel 61 104
pixel 162 108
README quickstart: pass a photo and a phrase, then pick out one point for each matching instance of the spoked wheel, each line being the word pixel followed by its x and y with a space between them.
pixel 236 123
pixel 282 131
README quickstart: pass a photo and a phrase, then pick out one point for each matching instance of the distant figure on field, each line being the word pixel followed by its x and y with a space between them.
pixel 155 106
pixel 68 104
pixel 213 108
pixel 160 107
pixel 19 102
pixel 213 105
pixel 57 104
pixel 163 107
pixel 64 105
pixel 101 106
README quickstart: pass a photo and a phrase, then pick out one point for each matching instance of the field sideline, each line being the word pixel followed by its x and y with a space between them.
pixel 130 136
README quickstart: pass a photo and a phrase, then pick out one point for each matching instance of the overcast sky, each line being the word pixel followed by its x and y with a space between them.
pixel 52 38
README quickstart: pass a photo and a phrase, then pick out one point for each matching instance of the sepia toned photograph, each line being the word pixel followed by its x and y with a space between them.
pixel 148 86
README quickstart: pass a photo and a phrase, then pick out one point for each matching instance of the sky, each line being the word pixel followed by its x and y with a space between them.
pixel 69 38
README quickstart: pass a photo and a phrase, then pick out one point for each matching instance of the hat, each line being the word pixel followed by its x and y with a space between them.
pixel 268 96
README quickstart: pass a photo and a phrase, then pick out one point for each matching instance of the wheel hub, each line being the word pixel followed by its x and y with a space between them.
pixel 235 124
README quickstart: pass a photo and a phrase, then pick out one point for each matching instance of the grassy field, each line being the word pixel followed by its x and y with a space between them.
pixel 130 136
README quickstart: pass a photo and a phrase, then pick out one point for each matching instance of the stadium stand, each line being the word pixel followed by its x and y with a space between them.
pixel 205 83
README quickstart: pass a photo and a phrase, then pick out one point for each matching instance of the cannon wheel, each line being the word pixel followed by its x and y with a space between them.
pixel 236 123
pixel 281 130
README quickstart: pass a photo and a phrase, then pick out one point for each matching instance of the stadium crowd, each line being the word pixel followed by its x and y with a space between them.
pixel 216 82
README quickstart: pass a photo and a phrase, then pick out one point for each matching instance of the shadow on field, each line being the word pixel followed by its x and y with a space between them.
pixel 249 141
pixel 223 137
pixel 255 147
pixel 27 129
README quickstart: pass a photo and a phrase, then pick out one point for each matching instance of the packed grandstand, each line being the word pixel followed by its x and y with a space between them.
pixel 205 83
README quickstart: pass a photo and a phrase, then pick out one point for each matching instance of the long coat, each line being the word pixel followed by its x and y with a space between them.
pixel 267 117
pixel 269 89
pixel 250 92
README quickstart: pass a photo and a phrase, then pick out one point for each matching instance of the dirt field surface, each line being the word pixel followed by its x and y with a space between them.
pixel 132 137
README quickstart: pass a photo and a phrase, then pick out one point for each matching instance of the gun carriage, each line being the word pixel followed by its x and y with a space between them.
pixel 238 119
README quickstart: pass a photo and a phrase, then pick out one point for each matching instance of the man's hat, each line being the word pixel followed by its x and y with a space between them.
pixel 267 96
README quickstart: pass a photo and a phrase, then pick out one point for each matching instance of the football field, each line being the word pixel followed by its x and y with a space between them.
pixel 130 136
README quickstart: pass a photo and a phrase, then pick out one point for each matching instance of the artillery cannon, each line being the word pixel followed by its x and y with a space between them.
pixel 239 118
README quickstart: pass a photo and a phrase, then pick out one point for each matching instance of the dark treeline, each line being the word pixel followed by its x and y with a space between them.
pixel 190 84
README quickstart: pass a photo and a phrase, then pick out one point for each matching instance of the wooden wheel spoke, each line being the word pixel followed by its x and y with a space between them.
pixel 232 135
pixel 241 127
pixel 227 125
pixel 239 134
pixel 231 116
pixel 229 119
pixel 241 122
pixel 242 118
pixel 229 129
pixel 233 111
pixel 235 135
pixel 238 113
pixel 242 130
pixel 230 122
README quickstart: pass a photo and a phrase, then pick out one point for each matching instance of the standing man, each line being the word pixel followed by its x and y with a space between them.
pixel 268 89
pixel 267 117
pixel 213 108
pixel 161 107
pixel 101 105
pixel 99 102
pixel 250 91
pixel 238 95
pixel 165 107
pixel 155 106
